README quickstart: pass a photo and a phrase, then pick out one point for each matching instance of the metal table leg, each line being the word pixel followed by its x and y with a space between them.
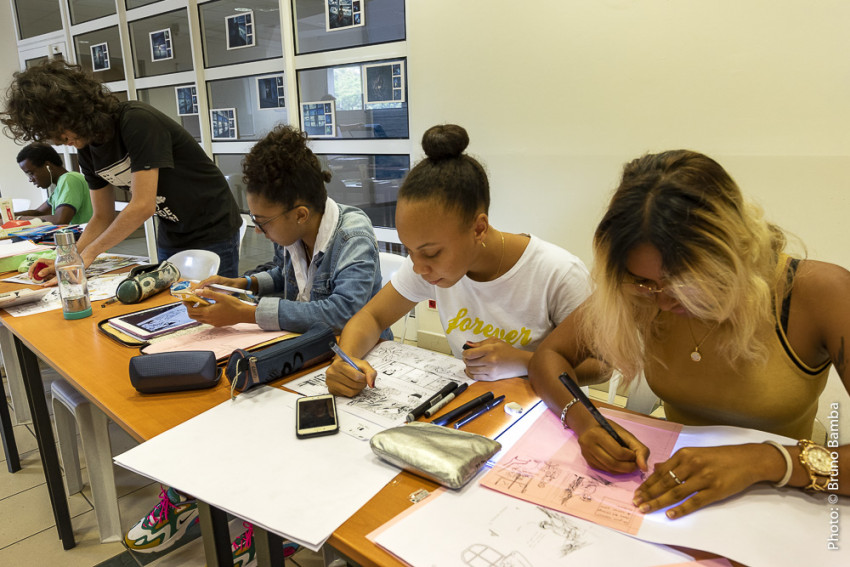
pixel 46 442
pixel 217 549
pixel 10 447
pixel 269 548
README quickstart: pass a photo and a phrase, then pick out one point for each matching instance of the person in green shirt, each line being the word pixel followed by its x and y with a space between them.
pixel 69 202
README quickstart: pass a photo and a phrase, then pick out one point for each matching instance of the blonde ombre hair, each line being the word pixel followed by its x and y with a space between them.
pixel 718 254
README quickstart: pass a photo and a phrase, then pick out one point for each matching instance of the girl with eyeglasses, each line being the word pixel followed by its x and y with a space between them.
pixel 693 287
pixel 498 294
pixel 330 265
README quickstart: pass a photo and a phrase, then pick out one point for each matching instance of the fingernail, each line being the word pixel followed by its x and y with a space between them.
pixel 671 514
pixel 644 508
pixel 637 501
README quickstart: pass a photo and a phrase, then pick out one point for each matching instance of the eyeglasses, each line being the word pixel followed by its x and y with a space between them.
pixel 262 225
pixel 649 290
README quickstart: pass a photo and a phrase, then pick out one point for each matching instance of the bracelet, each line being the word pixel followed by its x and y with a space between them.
pixel 564 413
pixel 788 465
pixel 250 283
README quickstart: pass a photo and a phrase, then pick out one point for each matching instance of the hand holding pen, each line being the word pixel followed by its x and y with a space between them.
pixel 596 443
pixel 347 376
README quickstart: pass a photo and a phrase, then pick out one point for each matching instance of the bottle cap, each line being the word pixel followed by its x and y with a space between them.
pixel 63 237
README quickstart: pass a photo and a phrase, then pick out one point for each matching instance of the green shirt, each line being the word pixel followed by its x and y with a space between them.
pixel 72 190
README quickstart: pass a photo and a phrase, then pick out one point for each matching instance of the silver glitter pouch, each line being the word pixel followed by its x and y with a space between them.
pixel 447 456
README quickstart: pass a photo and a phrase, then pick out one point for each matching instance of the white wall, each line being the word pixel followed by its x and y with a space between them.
pixel 557 98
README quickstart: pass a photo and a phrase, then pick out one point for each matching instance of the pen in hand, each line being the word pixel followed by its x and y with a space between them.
pixel 600 419
pixel 338 351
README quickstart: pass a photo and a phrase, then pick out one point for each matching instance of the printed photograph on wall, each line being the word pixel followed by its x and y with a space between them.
pixel 100 57
pixel 223 123
pixel 318 119
pixel 343 14
pixel 161 45
pixel 383 82
pixel 187 101
pixel 240 30
pixel 270 92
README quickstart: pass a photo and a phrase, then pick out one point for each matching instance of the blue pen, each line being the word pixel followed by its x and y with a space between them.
pixel 342 355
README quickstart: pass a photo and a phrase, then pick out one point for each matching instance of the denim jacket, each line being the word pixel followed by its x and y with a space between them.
pixel 348 274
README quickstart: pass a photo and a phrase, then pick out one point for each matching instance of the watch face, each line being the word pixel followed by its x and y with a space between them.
pixel 819 459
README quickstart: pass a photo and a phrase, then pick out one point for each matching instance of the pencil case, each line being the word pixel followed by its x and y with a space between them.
pixel 447 456
pixel 173 371
pixel 247 369
pixel 145 281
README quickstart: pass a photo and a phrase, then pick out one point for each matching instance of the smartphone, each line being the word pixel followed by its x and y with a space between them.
pixel 315 416
pixel 181 291
pixel 242 294
pixel 155 321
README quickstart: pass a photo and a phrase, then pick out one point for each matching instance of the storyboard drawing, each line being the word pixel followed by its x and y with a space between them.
pixel 407 376
pixel 546 467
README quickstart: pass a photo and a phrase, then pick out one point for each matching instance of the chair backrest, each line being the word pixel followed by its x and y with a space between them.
pixel 390 263
pixel 196 265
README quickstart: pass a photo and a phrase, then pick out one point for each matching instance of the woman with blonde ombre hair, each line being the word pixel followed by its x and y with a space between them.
pixel 693 287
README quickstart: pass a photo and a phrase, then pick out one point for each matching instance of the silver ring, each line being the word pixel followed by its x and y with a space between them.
pixel 676 478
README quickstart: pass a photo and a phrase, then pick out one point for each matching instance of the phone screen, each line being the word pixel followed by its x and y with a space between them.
pixel 316 416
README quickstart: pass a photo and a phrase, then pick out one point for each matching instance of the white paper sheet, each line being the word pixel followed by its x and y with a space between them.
pixel 243 457
pixel 407 376
pixel 761 527
pixel 478 526
pixel 100 287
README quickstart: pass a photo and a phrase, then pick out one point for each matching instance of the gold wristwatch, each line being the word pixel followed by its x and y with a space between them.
pixel 818 463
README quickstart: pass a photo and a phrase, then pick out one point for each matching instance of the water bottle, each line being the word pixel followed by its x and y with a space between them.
pixel 71 273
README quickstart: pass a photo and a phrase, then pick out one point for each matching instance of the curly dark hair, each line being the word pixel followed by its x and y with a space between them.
pixel 55 96
pixel 282 169
pixel 455 179
pixel 39 154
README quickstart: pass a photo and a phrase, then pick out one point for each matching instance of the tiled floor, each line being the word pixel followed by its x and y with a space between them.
pixel 27 532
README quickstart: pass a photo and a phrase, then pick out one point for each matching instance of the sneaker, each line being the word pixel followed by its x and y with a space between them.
pixel 165 524
pixel 244 553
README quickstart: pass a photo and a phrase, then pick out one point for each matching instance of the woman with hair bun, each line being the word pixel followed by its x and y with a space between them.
pixel 331 265
pixel 498 294
pixel 694 288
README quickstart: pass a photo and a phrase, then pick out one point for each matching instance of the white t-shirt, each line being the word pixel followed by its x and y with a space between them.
pixel 520 307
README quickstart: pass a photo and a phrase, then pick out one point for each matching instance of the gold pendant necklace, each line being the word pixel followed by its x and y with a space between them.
pixel 695 354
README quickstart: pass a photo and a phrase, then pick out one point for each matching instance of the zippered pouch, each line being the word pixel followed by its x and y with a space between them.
pixel 247 369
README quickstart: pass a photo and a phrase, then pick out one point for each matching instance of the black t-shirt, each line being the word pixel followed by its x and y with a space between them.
pixel 193 201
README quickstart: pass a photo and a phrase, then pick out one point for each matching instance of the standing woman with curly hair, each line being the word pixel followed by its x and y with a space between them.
pixel 130 145
pixel 331 263
pixel 695 289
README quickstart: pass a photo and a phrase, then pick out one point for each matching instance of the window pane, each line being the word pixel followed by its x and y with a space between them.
pixel 161 44
pixel 257 103
pixel 85 10
pixel 379 21
pixel 100 52
pixel 235 31
pixel 369 100
pixel 37 17
pixel 368 182
pixel 137 3
pixel 178 102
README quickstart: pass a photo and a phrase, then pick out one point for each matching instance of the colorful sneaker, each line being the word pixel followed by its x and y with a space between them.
pixel 165 524
pixel 244 553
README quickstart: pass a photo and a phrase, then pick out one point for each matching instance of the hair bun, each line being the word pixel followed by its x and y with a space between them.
pixel 445 141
